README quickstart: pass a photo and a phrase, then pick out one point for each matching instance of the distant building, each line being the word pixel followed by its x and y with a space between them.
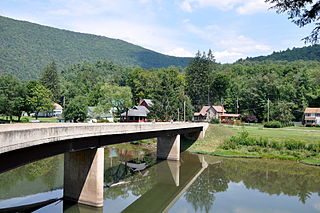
pixel 229 118
pixel 136 114
pixel 97 116
pixel 217 111
pixel 207 113
pixel 56 112
pixel 312 115
pixel 146 103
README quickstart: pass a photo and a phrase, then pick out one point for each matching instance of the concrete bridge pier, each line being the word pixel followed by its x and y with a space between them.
pixel 168 147
pixel 83 176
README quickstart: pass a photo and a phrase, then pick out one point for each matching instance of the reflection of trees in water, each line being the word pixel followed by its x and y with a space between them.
pixel 267 176
pixel 201 193
pixel 46 169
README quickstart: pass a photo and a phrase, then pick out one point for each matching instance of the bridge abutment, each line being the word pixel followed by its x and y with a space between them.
pixel 168 147
pixel 83 176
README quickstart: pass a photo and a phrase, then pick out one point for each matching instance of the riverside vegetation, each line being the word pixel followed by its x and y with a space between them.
pixel 258 142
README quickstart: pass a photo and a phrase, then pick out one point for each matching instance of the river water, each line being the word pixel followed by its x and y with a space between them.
pixel 194 184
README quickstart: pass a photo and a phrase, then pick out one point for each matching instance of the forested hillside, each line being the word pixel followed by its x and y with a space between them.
pixel 26 48
pixel 310 53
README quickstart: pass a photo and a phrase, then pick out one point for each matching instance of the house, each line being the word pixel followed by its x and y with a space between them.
pixel 56 112
pixel 146 103
pixel 92 114
pixel 136 114
pixel 312 115
pixel 229 118
pixel 217 111
pixel 205 114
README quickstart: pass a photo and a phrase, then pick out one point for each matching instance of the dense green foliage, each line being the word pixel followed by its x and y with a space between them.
pixel 26 48
pixel 304 53
pixel 39 98
pixel 13 97
pixel 165 87
pixel 76 110
pixel 50 79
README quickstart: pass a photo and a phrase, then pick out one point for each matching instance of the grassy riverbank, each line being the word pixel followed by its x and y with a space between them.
pixel 291 143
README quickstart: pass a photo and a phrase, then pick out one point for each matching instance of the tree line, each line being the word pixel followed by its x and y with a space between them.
pixel 244 87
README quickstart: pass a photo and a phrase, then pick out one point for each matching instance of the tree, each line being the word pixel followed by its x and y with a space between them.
pixel 301 12
pixel 168 96
pixel 282 112
pixel 50 79
pixel 39 98
pixel 220 84
pixel 76 110
pixel 12 97
pixel 198 81
pixel 114 96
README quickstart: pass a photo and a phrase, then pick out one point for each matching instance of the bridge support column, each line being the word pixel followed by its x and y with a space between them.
pixel 83 177
pixel 168 147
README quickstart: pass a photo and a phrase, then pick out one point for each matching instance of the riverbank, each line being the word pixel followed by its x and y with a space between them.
pixel 296 144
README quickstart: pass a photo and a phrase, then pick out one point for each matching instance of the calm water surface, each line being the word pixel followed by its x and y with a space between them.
pixel 195 184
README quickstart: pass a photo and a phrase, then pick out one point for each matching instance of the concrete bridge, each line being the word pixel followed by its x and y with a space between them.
pixel 82 145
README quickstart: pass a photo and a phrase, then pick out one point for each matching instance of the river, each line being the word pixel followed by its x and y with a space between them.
pixel 194 184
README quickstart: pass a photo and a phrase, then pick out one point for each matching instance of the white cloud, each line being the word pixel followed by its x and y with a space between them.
pixel 226 56
pixel 180 52
pixel 243 7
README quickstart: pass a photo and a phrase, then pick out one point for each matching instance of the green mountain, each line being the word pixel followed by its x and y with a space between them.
pixel 310 53
pixel 26 48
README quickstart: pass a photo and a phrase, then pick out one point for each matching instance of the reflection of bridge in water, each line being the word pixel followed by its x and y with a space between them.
pixel 173 179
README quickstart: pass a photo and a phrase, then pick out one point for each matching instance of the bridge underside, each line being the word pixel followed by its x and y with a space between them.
pixel 84 159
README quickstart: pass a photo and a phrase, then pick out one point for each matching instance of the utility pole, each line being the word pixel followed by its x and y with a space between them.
pixel 178 115
pixel 208 97
pixel 268 110
pixel 237 105
pixel 184 111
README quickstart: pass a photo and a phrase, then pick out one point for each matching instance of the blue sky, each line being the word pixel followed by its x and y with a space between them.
pixel 233 29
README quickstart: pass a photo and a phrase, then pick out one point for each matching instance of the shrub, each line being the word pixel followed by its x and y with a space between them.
pixel 215 120
pixel 293 144
pixel 317 125
pixel 103 121
pixel 24 120
pixel 308 124
pixel 273 124
pixel 250 118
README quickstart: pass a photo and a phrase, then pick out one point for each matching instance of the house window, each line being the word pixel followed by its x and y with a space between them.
pixel 317 114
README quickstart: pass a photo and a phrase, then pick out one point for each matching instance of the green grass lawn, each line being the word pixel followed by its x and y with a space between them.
pixel 301 133
pixel 218 135
pixel 41 119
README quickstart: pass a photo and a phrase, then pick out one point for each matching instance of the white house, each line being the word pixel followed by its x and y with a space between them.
pixel 312 115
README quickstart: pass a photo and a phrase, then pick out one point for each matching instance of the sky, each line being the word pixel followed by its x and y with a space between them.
pixel 232 29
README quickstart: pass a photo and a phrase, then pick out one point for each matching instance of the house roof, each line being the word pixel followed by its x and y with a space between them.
pixel 141 111
pixel 148 101
pixel 218 108
pixel 230 115
pixel 312 110
pixel 196 114
pixel 204 110
pixel 57 106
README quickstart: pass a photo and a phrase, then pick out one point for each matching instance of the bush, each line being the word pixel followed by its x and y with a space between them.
pixel 250 118
pixel 215 120
pixel 103 121
pixel 24 120
pixel 293 144
pixel 308 124
pixel 317 125
pixel 273 124
pixel 288 124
